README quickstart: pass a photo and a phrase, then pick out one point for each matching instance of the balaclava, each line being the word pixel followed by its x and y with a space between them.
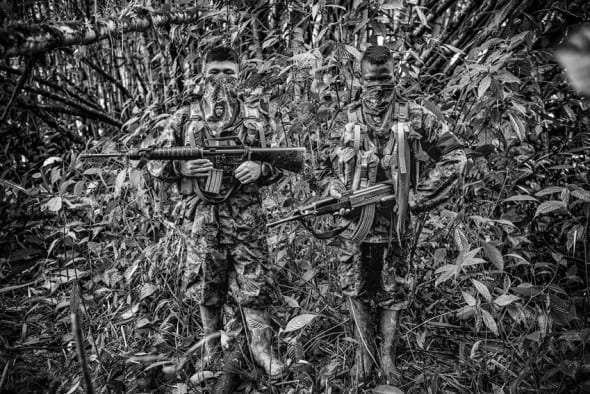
pixel 219 102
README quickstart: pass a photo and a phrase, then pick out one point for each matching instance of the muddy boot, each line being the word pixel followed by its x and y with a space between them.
pixel 364 333
pixel 389 332
pixel 260 343
pixel 212 320
pixel 233 363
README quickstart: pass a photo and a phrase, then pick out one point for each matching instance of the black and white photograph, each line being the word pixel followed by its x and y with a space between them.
pixel 294 196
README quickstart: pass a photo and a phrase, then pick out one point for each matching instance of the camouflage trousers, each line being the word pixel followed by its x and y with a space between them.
pixel 227 252
pixel 376 272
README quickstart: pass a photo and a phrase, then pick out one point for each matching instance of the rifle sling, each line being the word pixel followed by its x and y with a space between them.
pixel 359 233
pixel 327 234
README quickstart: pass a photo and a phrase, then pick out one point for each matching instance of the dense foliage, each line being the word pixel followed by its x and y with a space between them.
pixel 502 303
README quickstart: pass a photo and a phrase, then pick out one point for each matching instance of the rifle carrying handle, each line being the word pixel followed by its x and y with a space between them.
pixel 174 153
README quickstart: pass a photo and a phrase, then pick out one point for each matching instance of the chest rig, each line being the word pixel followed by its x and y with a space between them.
pixel 219 183
pixel 384 151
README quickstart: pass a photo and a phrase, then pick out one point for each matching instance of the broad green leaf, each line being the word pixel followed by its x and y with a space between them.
pixel 384 389
pixel 550 206
pixel 446 275
pixel 120 181
pixel 506 299
pixel 315 10
pixel 527 290
pixel 474 349
pixel 79 188
pixel 298 322
pixel 489 321
pixel 136 178
pixel 468 258
pixel 147 289
pixel 309 274
pixel 392 5
pixel 505 222
pixel 201 376
pixel 550 190
pixel 469 299
pixel 446 268
pixel 353 51
pixel 508 77
pixel 421 15
pixel 520 260
pixel 432 107
pixel 484 85
pixel 51 160
pixel 517 125
pixel 520 197
pixel 494 255
pixel 461 240
pixel 575 335
pixel 570 113
pixel 292 302
pixel 581 194
pixel 269 42
pixel 143 322
pixel 520 108
pixel 544 324
pixel 482 289
pixel 54 204
pixel 93 171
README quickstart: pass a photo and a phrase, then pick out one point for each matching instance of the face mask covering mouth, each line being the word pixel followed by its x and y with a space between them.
pixel 220 101
pixel 376 97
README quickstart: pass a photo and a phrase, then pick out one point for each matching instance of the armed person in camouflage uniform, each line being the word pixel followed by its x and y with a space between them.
pixel 223 217
pixel 385 138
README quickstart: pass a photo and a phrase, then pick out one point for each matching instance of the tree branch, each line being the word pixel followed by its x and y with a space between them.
pixel 24 40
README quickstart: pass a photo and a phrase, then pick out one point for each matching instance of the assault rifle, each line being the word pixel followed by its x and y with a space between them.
pixel 366 199
pixel 290 159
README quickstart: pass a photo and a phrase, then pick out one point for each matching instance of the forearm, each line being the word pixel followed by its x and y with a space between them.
pixel 269 174
pixel 439 183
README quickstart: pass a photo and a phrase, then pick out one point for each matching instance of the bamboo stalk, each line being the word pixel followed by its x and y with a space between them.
pixel 106 76
pixel 17 88
pixel 68 111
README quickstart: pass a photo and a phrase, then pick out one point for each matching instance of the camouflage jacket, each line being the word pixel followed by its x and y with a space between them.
pixel 363 151
pixel 186 127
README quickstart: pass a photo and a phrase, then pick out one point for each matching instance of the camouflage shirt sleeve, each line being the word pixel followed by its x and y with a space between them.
pixel 259 133
pixel 443 176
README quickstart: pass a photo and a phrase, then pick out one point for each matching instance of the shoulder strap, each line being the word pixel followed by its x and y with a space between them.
pixel 402 112
pixel 354 114
pixel 252 114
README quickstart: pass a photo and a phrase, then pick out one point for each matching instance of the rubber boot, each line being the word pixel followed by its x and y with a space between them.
pixel 212 320
pixel 233 363
pixel 389 332
pixel 258 323
pixel 364 333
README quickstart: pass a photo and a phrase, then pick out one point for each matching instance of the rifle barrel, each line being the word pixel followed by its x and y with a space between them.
pixel 91 155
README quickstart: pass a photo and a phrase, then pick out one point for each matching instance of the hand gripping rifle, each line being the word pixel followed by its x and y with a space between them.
pixel 225 159
pixel 366 199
